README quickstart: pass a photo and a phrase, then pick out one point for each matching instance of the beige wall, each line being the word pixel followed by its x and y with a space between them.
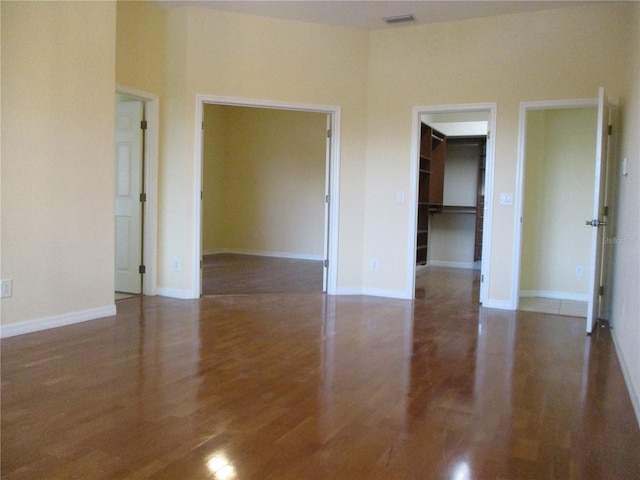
pixel 558 198
pixel 626 282
pixel 58 76
pixel 554 54
pixel 264 179
pixel 243 56
pixel 213 178
pixel 141 45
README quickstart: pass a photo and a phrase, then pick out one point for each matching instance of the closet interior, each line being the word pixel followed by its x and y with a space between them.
pixel 451 193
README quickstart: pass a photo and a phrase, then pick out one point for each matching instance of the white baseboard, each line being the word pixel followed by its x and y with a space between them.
pixel 439 263
pixel 576 297
pixel 374 292
pixel 46 323
pixel 175 293
pixel 498 304
pixel 380 292
pixel 626 373
pixel 265 253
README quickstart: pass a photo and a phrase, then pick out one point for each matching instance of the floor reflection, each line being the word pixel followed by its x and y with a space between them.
pixel 305 385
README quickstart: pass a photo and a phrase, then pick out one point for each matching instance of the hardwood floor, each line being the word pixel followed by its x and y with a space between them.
pixel 307 386
pixel 233 274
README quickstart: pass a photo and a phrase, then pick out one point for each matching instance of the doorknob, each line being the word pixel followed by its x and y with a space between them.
pixel 595 223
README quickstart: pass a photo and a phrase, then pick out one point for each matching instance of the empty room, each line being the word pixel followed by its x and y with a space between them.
pixel 390 365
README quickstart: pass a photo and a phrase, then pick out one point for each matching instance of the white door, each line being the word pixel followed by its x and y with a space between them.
pixel 128 206
pixel 597 222
pixel 327 183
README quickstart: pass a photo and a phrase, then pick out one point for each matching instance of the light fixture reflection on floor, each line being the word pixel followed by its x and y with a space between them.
pixel 221 468
pixel 461 471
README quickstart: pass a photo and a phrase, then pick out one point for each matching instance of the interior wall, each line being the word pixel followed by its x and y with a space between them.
pixel 553 54
pixel 451 240
pixel 141 46
pixel 247 57
pixel 625 316
pixel 58 79
pixel 452 234
pixel 461 175
pixel 558 198
pixel 269 196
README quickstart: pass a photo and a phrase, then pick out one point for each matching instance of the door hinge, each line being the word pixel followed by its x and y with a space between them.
pixel 143 197
pixel 202 125
pixel 488 134
pixel 326 199
pixel 200 263
pixel 601 292
pixel 329 133
pixel 326 263
pixel 141 269
pixel 482 278
pixel 143 124
pixel 610 130
pixel 605 210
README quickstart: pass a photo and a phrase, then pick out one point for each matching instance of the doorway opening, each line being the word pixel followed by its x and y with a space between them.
pixel 453 169
pixel 135 196
pixel 557 191
pixel 268 207
pixel 563 161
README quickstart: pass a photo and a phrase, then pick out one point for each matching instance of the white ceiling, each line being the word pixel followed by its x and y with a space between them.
pixel 368 14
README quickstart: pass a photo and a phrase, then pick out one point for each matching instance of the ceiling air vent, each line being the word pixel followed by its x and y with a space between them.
pixel 399 19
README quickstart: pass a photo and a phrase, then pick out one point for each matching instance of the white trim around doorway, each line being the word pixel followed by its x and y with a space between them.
pixel 334 112
pixel 520 178
pixel 417 112
pixel 150 247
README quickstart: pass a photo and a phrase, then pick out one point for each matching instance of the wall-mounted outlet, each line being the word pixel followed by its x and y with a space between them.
pixel 506 198
pixel 7 288
pixel 578 270
pixel 374 264
pixel 176 264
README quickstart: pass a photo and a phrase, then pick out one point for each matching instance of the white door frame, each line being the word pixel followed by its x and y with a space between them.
pixel 331 223
pixel 150 228
pixel 520 176
pixel 491 110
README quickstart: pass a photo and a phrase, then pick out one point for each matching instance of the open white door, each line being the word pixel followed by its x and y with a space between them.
pixel 128 207
pixel 597 222
pixel 327 187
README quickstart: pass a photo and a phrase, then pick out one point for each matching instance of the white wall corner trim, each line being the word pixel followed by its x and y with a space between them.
pixel 57 321
pixel 634 394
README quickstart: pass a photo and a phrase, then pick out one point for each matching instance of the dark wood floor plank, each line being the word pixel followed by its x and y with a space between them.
pixel 303 385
